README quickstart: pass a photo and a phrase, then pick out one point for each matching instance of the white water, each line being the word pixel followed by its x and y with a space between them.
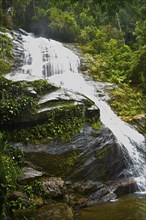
pixel 43 58
pixel 51 60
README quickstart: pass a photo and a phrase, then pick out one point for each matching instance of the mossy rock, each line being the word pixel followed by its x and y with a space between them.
pixel 55 165
pixel 52 211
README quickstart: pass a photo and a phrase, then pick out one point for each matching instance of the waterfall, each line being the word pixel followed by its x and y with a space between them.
pixel 49 59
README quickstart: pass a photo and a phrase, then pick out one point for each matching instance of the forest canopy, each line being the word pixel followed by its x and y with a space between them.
pixel 112 33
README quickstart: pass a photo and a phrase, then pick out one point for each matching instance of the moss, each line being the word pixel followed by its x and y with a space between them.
pixel 56 103
pixel 42 86
pixel 5 66
pixel 101 155
pixel 67 166
pixel 6 54
pixel 96 125
pixel 60 123
pixel 56 165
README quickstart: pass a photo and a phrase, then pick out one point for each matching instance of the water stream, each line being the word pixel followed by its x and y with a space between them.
pixel 49 59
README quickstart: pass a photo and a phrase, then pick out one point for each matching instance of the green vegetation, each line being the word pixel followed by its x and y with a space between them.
pixel 6 55
pixel 60 123
pixel 111 34
pixel 59 165
pixel 10 162
pixel 127 102
pixel 101 154
pixel 17 99
pixel 17 105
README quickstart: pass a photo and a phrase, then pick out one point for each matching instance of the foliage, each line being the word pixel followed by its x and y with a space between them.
pixel 140 32
pixel 35 188
pixel 5 67
pixel 43 87
pixel 62 123
pixel 127 102
pixel 6 56
pixel 10 108
pixel 137 71
pixel 39 23
pixel 9 162
pixel 5 47
pixel 8 172
pixel 62 25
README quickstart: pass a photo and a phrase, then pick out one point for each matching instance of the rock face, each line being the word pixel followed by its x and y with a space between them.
pixel 91 155
pixel 75 171
pixel 125 186
pixel 53 187
pixel 59 211
pixel 86 171
pixel 29 173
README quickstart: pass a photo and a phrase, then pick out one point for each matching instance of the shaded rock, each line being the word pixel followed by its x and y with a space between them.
pixel 38 201
pixel 92 111
pixel 62 95
pixel 29 173
pixel 99 196
pixel 30 92
pixel 125 186
pixel 53 187
pixel 86 187
pixel 109 197
pixel 101 160
pixel 15 195
pixel 54 212
pixel 91 155
pixel 58 211
pixel 23 32
pixel 86 193
pixel 78 202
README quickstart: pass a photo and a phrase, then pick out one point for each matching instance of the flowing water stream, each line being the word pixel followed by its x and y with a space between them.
pixel 49 59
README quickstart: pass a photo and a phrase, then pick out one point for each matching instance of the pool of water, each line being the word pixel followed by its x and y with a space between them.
pixel 127 208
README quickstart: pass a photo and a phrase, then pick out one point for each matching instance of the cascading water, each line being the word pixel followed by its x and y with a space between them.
pixel 50 60
pixel 43 58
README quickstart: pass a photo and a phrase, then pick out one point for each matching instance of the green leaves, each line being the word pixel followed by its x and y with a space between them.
pixel 137 71
pixel 127 102
pixel 8 172
pixel 6 55
pixel 62 25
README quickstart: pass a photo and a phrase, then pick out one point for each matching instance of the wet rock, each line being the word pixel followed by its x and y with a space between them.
pixel 101 159
pixel 87 193
pixel 93 155
pixel 109 197
pixel 99 196
pixel 86 187
pixel 125 186
pixel 62 95
pixel 23 32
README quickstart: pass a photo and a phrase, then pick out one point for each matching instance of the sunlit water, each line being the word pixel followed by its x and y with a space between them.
pixel 49 59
